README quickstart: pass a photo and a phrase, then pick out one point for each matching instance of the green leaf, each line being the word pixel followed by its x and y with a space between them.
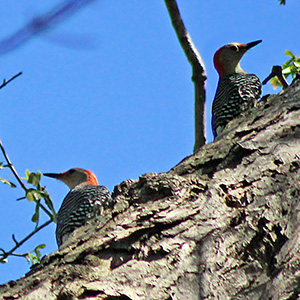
pixel 48 202
pixel 54 217
pixel 33 195
pixel 36 256
pixel 34 179
pixel 27 174
pixel 12 185
pixel 36 215
pixel 290 68
pixel 30 257
pixel 41 246
pixel 275 82
pixel 287 63
pixel 297 64
pixel 286 70
pixel 38 252
pixel 289 53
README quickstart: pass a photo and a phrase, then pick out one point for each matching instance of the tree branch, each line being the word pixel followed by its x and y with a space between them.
pixel 199 74
pixel 14 171
pixel 8 81
pixel 277 71
pixel 41 23
pixel 18 244
pixel 12 168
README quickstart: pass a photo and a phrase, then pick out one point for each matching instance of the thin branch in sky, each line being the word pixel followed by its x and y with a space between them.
pixel 39 24
pixel 5 82
pixel 199 74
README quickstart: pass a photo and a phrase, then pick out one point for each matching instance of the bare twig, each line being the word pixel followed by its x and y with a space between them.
pixel 277 71
pixel 18 244
pixel 42 23
pixel 18 254
pixel 12 168
pixel 8 81
pixel 199 74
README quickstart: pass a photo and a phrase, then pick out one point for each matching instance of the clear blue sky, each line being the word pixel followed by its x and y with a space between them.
pixel 120 101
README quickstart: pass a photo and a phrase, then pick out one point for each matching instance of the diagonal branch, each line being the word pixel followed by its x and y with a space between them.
pixel 5 82
pixel 41 23
pixel 12 168
pixel 18 244
pixel 14 171
pixel 199 74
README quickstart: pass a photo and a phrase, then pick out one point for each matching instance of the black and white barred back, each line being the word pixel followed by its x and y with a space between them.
pixel 80 204
pixel 235 93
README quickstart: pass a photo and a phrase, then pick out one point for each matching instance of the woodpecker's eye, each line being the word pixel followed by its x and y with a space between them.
pixel 71 171
pixel 234 48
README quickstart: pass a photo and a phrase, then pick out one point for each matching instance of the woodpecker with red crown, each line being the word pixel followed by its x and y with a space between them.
pixel 236 89
pixel 85 200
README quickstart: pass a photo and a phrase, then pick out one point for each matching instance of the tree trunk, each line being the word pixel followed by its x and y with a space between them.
pixel 222 224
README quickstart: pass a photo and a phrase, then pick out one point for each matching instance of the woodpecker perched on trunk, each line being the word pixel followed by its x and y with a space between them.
pixel 85 200
pixel 236 89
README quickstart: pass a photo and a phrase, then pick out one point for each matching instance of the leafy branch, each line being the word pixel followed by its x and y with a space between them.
pixel 34 195
pixel 5 254
pixel 290 68
pixel 31 194
pixel 33 256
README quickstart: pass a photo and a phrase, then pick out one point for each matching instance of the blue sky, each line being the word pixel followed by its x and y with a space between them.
pixel 109 90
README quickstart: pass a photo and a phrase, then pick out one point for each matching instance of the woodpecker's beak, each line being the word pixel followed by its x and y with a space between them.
pixel 54 175
pixel 252 44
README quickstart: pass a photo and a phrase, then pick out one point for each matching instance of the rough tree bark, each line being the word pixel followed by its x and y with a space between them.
pixel 222 224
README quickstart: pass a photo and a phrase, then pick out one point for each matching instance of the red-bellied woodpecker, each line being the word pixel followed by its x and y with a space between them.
pixel 236 89
pixel 85 200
